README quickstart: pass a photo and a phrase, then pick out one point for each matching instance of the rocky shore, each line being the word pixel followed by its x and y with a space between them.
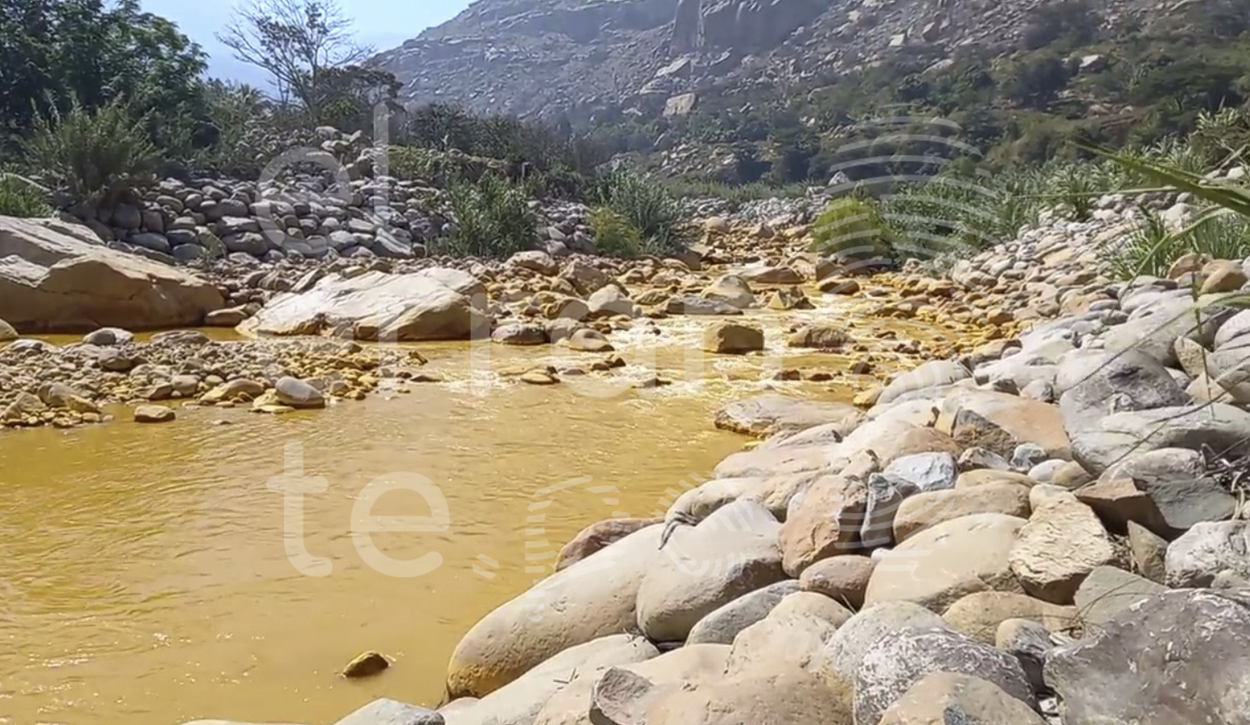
pixel 1040 519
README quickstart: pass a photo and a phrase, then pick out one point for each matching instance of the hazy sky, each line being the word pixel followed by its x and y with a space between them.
pixel 381 23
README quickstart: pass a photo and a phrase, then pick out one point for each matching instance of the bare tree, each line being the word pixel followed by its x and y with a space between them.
pixel 300 43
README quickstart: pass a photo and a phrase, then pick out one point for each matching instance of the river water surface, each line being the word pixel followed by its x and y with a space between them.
pixel 143 571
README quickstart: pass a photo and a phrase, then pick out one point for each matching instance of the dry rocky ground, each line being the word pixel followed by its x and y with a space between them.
pixel 1042 520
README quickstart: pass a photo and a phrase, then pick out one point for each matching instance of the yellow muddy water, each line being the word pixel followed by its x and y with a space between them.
pixel 144 570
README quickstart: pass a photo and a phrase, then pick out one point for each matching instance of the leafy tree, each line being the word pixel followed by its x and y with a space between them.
pixel 58 53
pixel 304 45
pixel 1036 80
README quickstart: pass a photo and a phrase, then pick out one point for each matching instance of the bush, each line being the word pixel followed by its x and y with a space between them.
pixel 493 219
pixel 21 198
pixel 649 207
pixel 614 235
pixel 853 228
pixel 1152 248
pixel 95 156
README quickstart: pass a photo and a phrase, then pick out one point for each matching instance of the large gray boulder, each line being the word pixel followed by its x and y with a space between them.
pixel 375 306
pixel 1176 482
pixel 945 698
pixel 723 624
pixel 1178 657
pixel 847 646
pixel 1206 552
pixel 56 277
pixel 1114 438
pixel 902 658
pixel 769 414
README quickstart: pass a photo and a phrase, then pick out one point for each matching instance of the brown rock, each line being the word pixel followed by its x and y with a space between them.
pixel 1149 550
pixel 930 508
pixel 1060 545
pixel 989 476
pixel 1000 422
pixel 944 698
pixel 722 337
pixel 366 665
pixel 939 565
pixel 978 615
pixel 153 414
pixel 1222 276
pixel 1118 501
pixel 841 578
pixel 827 523
pixel 597 536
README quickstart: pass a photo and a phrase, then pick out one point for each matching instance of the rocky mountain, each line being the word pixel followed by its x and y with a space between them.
pixel 551 57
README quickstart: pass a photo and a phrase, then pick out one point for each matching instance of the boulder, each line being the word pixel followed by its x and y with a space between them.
pixel 153 414
pixel 771 275
pixel 1178 492
pixel 1060 545
pixel 519 334
pixel 109 336
pixel 55 277
pixel 226 317
pixel 723 624
pixel 794 638
pixel 610 300
pixel 1108 591
pixel 1221 427
pixel 820 335
pixel 946 698
pixel 775 692
pixel 695 305
pixel 732 290
pixel 520 702
pixel 732 552
pixel 811 604
pixel 598 536
pixel 826 522
pixel 575 605
pixel 296 393
pixel 903 658
pixel 925 471
pixel 1149 552
pixel 588 340
pixel 928 509
pixel 375 306
pixel 535 261
pixel 1208 551
pixel 848 645
pixel 1175 657
pixel 392 712
pixel 723 337
pixel 770 414
pixel 929 375
pixel 978 615
pixel 840 578
pixel 1000 423
pixel 939 565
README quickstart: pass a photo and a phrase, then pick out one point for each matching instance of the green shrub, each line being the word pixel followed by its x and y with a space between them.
pixel 1152 248
pixel 20 198
pixel 854 228
pixel 650 208
pixel 615 236
pixel 94 155
pixel 493 219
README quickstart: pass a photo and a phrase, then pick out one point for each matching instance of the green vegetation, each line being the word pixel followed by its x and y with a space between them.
pixel 854 228
pixel 649 208
pixel 493 219
pixel 95 155
pixel 615 236
pixel 20 198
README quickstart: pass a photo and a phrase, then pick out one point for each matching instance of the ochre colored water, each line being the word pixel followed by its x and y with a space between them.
pixel 143 570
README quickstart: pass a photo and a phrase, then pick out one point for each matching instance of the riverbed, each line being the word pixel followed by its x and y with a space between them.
pixel 148 575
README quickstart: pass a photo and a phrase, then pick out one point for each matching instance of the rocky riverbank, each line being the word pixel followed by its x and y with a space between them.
pixel 1039 519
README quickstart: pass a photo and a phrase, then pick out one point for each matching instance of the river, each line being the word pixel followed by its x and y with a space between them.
pixel 145 574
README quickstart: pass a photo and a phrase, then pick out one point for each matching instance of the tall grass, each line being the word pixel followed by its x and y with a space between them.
pixel 649 207
pixel 493 219
pixel 94 155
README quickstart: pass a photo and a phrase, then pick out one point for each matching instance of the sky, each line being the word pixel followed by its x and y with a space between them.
pixel 382 24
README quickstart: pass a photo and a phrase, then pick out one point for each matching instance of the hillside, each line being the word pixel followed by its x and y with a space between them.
pixel 545 56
